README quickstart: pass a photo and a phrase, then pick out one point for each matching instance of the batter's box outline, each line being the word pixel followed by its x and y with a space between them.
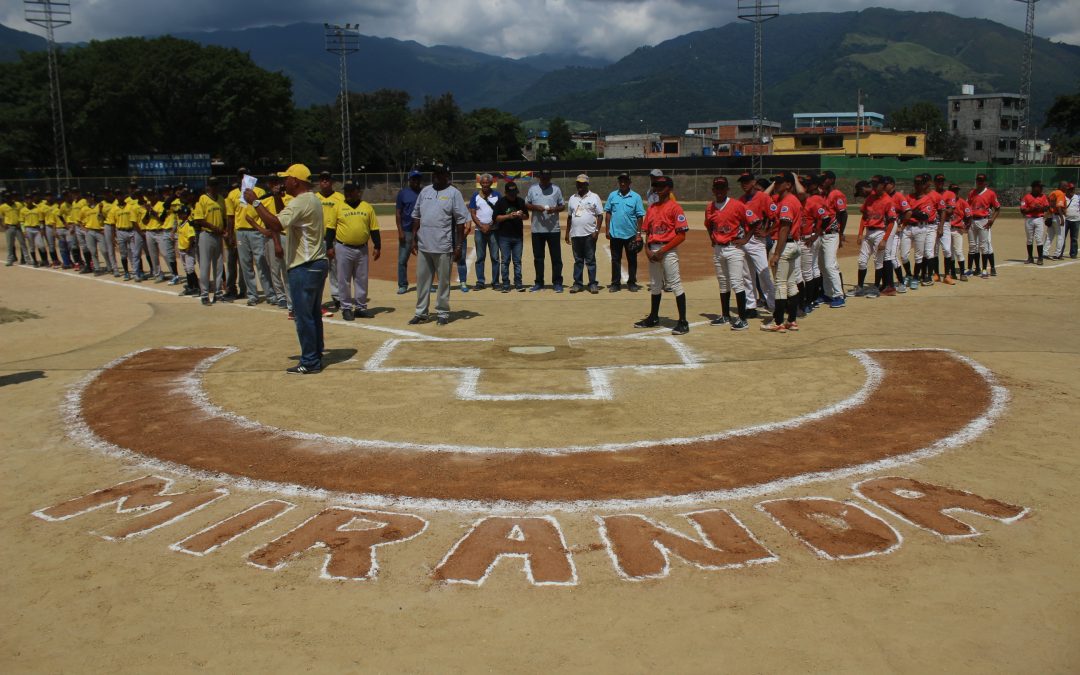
pixel 599 377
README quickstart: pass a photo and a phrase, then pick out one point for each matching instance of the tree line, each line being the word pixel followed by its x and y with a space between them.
pixel 170 96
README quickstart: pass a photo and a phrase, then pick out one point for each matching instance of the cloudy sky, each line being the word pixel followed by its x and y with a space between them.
pixel 604 28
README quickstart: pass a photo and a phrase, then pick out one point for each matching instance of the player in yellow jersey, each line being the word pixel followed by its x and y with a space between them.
pixel 33 224
pixel 12 222
pixel 356 226
pixel 50 212
pixel 92 222
pixel 331 200
pixel 251 248
pixel 109 201
pixel 209 219
pixel 187 249
pixel 274 251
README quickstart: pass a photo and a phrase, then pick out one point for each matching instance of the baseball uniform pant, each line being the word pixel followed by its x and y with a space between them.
pixel 730 262
pixel 510 249
pixel 427 266
pixel 62 236
pixel 167 247
pixel 892 246
pixel 352 269
pixel 930 242
pixel 403 253
pixel 1035 228
pixel 983 242
pixel 36 237
pixel 335 292
pixel 869 248
pixel 211 265
pixel 14 235
pixel 945 241
pixel 77 240
pixel 788 272
pixel 188 260
pixel 110 248
pixel 130 244
pixel 958 247
pixel 234 281
pixel 251 250
pixel 1053 235
pixel 757 269
pixel 808 261
pixel 584 249
pixel 830 266
pixel 50 238
pixel 619 247
pixel 95 243
pixel 665 270
pixel 487 245
pixel 279 277
pixel 553 242
pixel 152 250
pixel 909 244
pixel 306 282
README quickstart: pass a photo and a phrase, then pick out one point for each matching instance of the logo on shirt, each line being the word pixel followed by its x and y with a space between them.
pixel 749 213
pixel 681 218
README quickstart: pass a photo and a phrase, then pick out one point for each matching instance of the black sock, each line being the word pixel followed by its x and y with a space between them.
pixel 887 275
pixel 778 311
pixel 740 304
pixel 907 268
pixel 877 277
pixel 898 270
pixel 655 304
pixel 793 308
pixel 992 265
pixel 862 277
pixel 725 304
pixel 1040 252
pixel 680 303
pixel 1030 252
pixel 802 295
pixel 123 261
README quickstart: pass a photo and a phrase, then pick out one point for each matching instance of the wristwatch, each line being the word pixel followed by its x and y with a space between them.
pixel 257 202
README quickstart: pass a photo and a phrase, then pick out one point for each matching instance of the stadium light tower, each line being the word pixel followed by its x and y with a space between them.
pixel 1027 130
pixel 51 15
pixel 758 12
pixel 344 40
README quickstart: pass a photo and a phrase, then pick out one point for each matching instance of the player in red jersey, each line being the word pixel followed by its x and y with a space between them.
pixel 893 246
pixel 878 214
pixel 757 275
pixel 985 208
pixel 664 228
pixel 1034 206
pixel 944 241
pixel 832 239
pixel 784 259
pixel 729 229
pixel 813 221
pixel 961 222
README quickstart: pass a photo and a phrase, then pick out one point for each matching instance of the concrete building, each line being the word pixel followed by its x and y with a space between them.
pixel 537 147
pixel 873 143
pixel 658 146
pixel 838 122
pixel 736 137
pixel 989 123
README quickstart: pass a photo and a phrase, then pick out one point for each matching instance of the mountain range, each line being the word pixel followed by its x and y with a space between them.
pixel 814 62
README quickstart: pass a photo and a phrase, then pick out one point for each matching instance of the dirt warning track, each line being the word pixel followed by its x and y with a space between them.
pixel 125 405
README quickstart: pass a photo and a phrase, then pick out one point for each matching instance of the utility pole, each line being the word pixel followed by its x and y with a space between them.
pixel 343 40
pixel 51 15
pixel 858 121
pixel 1027 130
pixel 758 12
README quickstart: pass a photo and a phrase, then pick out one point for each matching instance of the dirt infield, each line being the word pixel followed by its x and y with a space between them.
pixel 164 514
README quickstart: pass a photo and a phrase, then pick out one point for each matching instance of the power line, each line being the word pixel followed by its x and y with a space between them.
pixel 51 15
pixel 343 40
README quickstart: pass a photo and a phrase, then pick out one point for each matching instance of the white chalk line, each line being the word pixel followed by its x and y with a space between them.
pixel 80 432
pixel 667 553
pixel 1049 266
pixel 824 554
pixel 525 558
pixel 180 548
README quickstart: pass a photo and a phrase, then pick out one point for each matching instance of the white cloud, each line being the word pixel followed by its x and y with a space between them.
pixel 606 28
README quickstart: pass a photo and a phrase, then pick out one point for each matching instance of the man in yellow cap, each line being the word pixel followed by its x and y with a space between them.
pixel 305 255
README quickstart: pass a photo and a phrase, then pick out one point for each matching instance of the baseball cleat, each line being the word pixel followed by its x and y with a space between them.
pixel 681 328
pixel 536 287
pixel 417 320
pixel 720 321
pixel 837 302
pixel 614 288
pixel 594 289
pixel 347 315
pixel 648 322
pixel 739 324
pixel 633 288
pixel 558 288
pixel 442 320
pixel 773 328
pixel 949 281
pixel 402 290
pixel 901 288
pixel 577 288
pixel 303 370
pixel 859 292
pixel 791 325
pixel 889 292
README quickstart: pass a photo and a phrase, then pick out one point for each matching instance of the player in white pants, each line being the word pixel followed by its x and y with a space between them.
pixel 878 215
pixel 756 205
pixel 1034 206
pixel 813 219
pixel 784 258
pixel 899 244
pixel 985 208
pixel 725 220
pixel 944 240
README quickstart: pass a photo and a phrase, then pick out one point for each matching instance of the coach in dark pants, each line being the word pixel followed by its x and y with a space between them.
pixel 545 201
pixel 625 212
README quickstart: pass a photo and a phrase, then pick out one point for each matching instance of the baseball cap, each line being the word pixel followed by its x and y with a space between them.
pixel 888 180
pixel 440 168
pixel 1036 183
pixel 828 174
pixel 214 181
pixel 544 173
pixel 242 171
pixel 719 181
pixel 980 176
pixel 349 185
pixel 1070 186
pixel 623 175
pixel 416 174
pixel 657 173
pixel 785 177
pixel 297 171
pixel 939 176
pixel 582 178
pixel 325 175
pixel 746 176
pixel 954 187
pixel 510 186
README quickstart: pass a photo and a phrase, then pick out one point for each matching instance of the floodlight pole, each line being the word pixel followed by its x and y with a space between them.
pixel 343 40
pixel 1027 135
pixel 758 12
pixel 51 15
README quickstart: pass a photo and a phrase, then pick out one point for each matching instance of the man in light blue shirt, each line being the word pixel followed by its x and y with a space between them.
pixel 545 201
pixel 625 211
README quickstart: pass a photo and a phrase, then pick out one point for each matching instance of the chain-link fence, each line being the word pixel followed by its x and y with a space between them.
pixel 691 185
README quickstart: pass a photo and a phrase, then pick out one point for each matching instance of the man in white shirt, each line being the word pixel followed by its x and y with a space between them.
pixel 1072 219
pixel 439 224
pixel 585 212
pixel 481 208
pixel 545 201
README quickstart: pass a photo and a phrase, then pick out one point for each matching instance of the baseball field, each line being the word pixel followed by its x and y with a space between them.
pixel 540 487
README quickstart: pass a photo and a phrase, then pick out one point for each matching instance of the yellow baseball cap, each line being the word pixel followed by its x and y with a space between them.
pixel 297 171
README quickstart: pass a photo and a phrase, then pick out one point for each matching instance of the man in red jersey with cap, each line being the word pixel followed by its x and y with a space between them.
pixel 664 228
pixel 1034 205
pixel 878 214
pixel 784 259
pixel 757 276
pixel 725 220
pixel 984 211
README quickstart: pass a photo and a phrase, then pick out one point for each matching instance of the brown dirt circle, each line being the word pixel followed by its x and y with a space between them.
pixel 126 405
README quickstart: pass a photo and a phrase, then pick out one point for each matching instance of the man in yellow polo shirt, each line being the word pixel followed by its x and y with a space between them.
pixel 356 225
pixel 122 216
pixel 331 200
pixel 110 201
pixel 209 219
pixel 32 215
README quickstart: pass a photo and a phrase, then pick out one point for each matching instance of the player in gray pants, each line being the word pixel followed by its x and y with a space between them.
pixel 211 265
pixel 251 247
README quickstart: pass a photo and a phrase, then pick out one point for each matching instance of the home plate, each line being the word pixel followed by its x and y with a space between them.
pixel 533 349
